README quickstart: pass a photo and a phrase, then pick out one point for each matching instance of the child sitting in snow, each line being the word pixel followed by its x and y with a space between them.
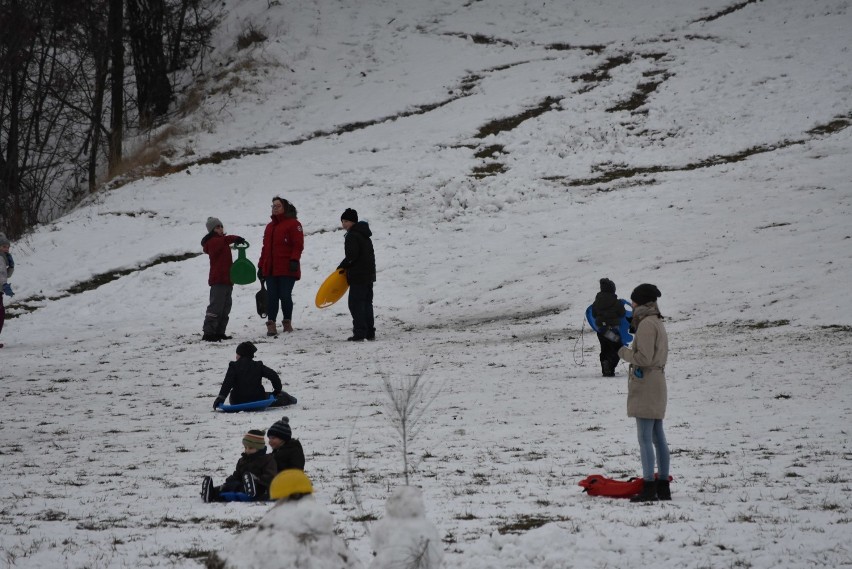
pixel 286 450
pixel 254 464
pixel 244 381
pixel 7 267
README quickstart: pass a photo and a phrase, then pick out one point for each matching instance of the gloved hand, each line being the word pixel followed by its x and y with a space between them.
pixel 294 266
pixel 7 290
pixel 343 264
pixel 219 401
pixel 239 241
pixel 11 260
pixel 260 276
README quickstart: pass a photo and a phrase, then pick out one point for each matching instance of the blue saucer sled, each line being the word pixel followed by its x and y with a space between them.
pixel 623 325
pixel 251 406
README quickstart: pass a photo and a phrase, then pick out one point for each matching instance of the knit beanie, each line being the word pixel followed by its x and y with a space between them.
pixel 280 429
pixel 607 285
pixel 645 293
pixel 246 350
pixel 5 240
pixel 254 439
pixel 350 215
pixel 213 223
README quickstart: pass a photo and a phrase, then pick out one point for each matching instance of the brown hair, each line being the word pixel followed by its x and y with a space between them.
pixel 289 209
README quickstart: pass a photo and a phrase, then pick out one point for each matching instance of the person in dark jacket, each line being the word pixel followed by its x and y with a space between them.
pixel 360 265
pixel 217 245
pixel 255 466
pixel 244 380
pixel 7 267
pixel 286 450
pixel 608 311
pixel 283 242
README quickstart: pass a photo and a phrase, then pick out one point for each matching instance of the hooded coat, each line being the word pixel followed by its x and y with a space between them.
pixel 244 381
pixel 607 309
pixel 647 396
pixel 283 241
pixel 360 261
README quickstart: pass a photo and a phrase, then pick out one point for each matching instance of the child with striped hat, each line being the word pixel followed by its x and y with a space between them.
pixel 252 476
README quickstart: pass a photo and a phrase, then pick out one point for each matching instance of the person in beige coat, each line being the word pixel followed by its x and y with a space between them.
pixel 646 390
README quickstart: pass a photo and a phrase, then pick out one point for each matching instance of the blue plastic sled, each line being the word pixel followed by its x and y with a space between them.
pixel 251 406
pixel 623 326
pixel 236 497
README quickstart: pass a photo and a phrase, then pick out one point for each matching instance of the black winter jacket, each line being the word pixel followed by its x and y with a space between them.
pixel 259 463
pixel 360 261
pixel 607 309
pixel 289 455
pixel 244 381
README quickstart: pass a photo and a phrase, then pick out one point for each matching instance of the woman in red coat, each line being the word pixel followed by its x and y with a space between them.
pixel 283 241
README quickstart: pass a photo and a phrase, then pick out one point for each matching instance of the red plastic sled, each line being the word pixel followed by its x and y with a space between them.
pixel 597 485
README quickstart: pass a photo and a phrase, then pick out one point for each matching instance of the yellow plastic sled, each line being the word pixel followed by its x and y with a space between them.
pixel 333 289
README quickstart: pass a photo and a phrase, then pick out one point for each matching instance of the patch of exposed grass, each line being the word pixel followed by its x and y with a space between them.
pixel 726 11
pixel 481 39
pixel 639 96
pixel 104 278
pixel 594 48
pixel 510 123
pixel 601 72
pixel 762 324
pixel 486 170
pixel 490 151
pixel 250 37
pixel 526 523
pixel 616 172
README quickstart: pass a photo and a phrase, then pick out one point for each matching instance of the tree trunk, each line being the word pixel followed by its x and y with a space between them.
pixel 115 33
pixel 153 88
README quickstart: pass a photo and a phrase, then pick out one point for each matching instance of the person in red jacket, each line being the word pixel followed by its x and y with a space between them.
pixel 217 245
pixel 283 242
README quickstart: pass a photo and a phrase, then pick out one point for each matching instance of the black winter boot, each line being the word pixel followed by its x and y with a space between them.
pixel 648 493
pixel 207 489
pixel 664 492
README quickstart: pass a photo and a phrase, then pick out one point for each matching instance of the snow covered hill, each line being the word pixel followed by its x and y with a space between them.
pixel 507 154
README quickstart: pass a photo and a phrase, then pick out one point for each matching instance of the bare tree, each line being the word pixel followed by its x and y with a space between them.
pixel 153 88
pixel 408 399
pixel 115 33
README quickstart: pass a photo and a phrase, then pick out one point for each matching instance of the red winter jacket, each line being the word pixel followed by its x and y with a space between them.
pixel 218 248
pixel 283 241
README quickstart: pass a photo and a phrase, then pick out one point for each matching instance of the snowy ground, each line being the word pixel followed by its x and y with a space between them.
pixel 507 154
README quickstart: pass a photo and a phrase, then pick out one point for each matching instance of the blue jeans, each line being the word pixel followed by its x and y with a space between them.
pixel 651 437
pixel 279 289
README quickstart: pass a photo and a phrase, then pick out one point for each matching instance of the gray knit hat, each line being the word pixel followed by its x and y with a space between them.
pixel 281 429
pixel 4 240
pixel 213 223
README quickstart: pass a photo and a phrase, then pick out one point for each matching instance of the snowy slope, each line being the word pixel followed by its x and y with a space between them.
pixel 507 154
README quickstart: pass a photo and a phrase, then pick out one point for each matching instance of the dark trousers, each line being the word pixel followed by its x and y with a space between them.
pixel 609 354
pixel 219 309
pixel 2 312
pixel 361 309
pixel 279 289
